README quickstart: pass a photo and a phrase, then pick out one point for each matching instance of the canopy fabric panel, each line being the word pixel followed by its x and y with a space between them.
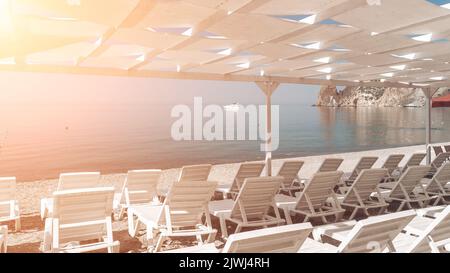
pixel 346 42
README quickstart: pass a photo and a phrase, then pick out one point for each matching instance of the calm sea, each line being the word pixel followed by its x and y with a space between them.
pixel 115 138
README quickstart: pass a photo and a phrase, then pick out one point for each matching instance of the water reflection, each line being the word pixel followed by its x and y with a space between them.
pixel 40 141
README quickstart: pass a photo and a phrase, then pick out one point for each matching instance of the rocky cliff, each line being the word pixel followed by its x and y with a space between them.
pixel 373 96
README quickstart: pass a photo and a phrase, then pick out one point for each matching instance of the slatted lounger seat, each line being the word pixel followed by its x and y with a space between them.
pixel 364 163
pixel 358 196
pixel 392 164
pixel 431 212
pixel 438 162
pixel 414 160
pixel 246 170
pixel 425 235
pixel 437 186
pixel 251 207
pixel 282 239
pixel 312 201
pixel 447 148
pixel 180 215
pixel 403 190
pixel 374 234
pixel 291 182
pixel 139 188
pixel 195 173
pixel 438 150
pixel 80 216
pixel 70 181
pixel 9 205
pixel 328 165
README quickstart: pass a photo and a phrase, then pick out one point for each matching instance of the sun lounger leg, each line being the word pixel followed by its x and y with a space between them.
pixel 121 213
pixel 18 225
pixel 353 214
pixel 43 209
pixel 287 215
pixel 211 237
pixel 238 229
pixel 223 227
pixel 132 226
pixel 159 243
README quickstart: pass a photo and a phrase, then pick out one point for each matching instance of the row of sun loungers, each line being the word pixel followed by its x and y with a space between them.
pixel 438 149
pixel 81 208
pixel 404 232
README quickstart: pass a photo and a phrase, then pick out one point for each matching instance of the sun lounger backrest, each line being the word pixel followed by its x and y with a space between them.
pixel 318 189
pixel 364 163
pixel 187 202
pixel 69 181
pixel 409 180
pixel 141 185
pixel 365 184
pixel 7 194
pixel 246 170
pixel 416 159
pixel 438 230
pixel 438 150
pixel 330 165
pixel 392 162
pixel 439 160
pixel 289 171
pixel 439 180
pixel 447 148
pixel 256 197
pixel 82 214
pixel 282 239
pixel 374 234
pixel 195 173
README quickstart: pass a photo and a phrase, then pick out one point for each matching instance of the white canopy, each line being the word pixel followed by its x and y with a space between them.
pixel 393 43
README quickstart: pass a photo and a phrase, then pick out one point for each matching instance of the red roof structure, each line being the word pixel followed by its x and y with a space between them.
pixel 443 101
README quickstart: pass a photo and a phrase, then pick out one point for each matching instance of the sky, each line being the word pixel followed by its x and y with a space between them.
pixel 37 88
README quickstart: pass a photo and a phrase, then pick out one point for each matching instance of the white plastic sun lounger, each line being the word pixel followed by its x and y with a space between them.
pixel 3 239
pixel 425 235
pixel 392 164
pixel 430 212
pixel 251 207
pixel 438 162
pixel 282 239
pixel 364 163
pixel 312 201
pixel 436 186
pixel 358 196
pixel 78 216
pixel 195 173
pixel 70 181
pixel 180 215
pixel 371 235
pixel 289 171
pixel 140 188
pixel 438 150
pixel 246 170
pixel 447 148
pixel 403 190
pixel 414 160
pixel 330 165
pixel 9 205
